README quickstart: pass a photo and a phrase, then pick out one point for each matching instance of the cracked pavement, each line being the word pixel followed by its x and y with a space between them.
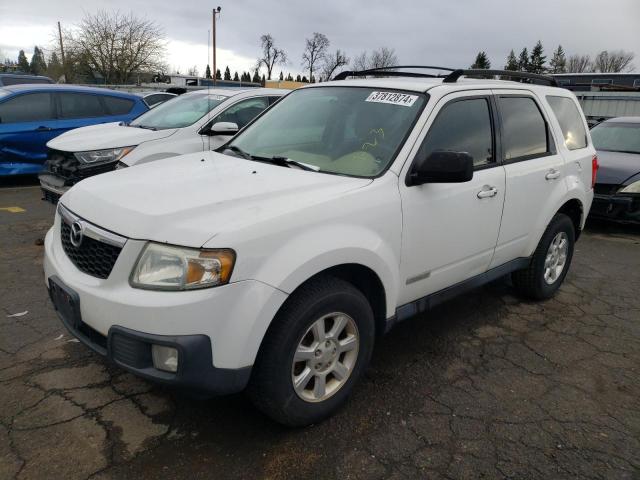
pixel 485 386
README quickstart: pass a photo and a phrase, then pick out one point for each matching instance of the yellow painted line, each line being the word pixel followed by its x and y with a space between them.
pixel 13 209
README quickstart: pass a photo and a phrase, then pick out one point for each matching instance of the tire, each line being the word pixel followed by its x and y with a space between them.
pixel 531 281
pixel 271 387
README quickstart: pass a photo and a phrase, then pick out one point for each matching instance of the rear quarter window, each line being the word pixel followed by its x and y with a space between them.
pixel 117 105
pixel 570 120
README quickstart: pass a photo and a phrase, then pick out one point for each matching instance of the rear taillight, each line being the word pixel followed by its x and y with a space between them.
pixel 594 170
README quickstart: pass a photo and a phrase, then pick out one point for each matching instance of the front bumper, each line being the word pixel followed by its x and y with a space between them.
pixel 131 350
pixel 621 208
pixel 219 330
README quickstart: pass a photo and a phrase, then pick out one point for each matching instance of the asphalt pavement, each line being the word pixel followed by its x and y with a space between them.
pixel 485 386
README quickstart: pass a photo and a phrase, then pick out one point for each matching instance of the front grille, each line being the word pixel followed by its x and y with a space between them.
pixel 66 166
pixel 92 257
pixel 50 196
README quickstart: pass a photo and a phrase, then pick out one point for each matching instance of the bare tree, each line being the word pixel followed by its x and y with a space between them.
pixel 271 55
pixel 315 50
pixel 380 58
pixel 361 62
pixel 116 45
pixel 193 71
pixel 613 61
pixel 332 62
pixel 579 64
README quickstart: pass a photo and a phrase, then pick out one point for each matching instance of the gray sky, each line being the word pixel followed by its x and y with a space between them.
pixel 423 32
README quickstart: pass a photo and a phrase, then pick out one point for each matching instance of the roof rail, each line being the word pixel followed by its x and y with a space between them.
pixel 392 72
pixel 456 74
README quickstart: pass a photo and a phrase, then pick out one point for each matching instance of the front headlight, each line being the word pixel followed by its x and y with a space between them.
pixel 633 188
pixel 165 267
pixel 101 156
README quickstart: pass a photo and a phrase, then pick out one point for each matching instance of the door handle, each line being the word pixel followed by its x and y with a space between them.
pixel 552 174
pixel 43 129
pixel 487 192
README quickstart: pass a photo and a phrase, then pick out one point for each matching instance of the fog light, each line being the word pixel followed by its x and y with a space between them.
pixel 165 358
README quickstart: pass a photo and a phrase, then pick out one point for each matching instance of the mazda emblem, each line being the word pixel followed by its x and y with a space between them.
pixel 75 236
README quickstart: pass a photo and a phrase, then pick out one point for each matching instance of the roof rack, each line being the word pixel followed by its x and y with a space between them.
pixel 456 74
pixel 392 71
pixel 450 78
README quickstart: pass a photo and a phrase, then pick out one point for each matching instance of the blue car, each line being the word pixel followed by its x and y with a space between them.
pixel 31 115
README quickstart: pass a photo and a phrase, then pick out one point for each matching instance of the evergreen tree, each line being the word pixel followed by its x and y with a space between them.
pixel 304 79
pixel 281 76
pixel 512 62
pixel 256 77
pixel 218 74
pixel 54 67
pixel 482 62
pixel 207 73
pixel 523 61
pixel 23 64
pixel 558 63
pixel 536 64
pixel 263 80
pixel 235 77
pixel 227 73
pixel 289 78
pixel 298 79
pixel 38 64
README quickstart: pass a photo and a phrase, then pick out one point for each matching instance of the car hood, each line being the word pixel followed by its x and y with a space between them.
pixel 189 199
pixel 616 167
pixel 105 135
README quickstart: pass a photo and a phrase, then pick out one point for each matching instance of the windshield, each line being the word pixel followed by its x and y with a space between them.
pixel 178 112
pixel 343 130
pixel 617 137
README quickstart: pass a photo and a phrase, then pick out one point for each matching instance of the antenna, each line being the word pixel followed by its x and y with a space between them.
pixel 208 87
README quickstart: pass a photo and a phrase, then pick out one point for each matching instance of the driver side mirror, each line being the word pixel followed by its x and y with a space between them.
pixel 442 167
pixel 222 128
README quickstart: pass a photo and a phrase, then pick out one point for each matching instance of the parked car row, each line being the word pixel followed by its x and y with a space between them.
pixel 275 262
pixel 193 122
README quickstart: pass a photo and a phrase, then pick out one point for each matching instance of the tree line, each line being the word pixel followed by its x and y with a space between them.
pixel 606 61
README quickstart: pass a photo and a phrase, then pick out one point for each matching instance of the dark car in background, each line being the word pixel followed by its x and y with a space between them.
pixel 617 190
pixel 31 115
pixel 7 79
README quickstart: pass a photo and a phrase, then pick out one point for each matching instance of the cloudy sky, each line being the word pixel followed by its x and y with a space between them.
pixel 421 31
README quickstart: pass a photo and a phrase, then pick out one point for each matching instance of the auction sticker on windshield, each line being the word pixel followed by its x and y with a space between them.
pixel 393 98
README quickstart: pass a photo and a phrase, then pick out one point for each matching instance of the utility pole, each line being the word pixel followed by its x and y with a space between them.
pixel 64 64
pixel 216 11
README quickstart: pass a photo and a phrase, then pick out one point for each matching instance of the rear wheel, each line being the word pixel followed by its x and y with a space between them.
pixel 316 350
pixel 550 262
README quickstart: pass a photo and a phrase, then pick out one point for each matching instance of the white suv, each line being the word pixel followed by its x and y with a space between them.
pixel 276 262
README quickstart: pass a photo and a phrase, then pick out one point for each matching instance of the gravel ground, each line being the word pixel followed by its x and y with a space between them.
pixel 486 386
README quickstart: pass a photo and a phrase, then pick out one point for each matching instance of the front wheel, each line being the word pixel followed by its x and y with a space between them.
pixel 550 262
pixel 314 353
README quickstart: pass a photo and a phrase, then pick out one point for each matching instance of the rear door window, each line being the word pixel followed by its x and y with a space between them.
pixel 570 120
pixel 31 107
pixel 117 105
pixel 524 129
pixel 80 105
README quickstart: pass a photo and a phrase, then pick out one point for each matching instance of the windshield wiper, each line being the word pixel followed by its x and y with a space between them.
pixel 290 161
pixel 146 127
pixel 280 160
pixel 239 151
